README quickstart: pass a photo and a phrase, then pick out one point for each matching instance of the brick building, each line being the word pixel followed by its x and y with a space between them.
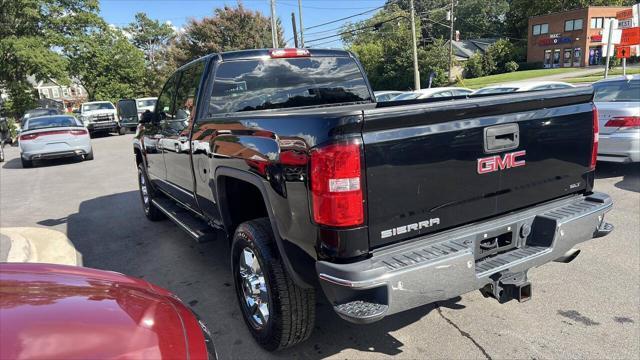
pixel 570 38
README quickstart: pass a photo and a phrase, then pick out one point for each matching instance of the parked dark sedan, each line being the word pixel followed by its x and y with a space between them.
pixel 65 312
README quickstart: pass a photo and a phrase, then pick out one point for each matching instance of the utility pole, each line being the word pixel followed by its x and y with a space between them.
pixel 451 41
pixel 295 33
pixel 609 46
pixel 274 31
pixel 301 26
pixel 416 72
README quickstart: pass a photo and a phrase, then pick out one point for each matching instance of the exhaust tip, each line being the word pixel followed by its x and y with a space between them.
pixel 568 257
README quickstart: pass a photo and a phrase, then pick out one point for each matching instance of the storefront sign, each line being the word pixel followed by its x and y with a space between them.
pixel 624 14
pixel 553 41
pixel 596 38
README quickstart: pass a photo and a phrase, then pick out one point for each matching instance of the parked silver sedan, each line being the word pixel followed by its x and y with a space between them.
pixel 49 137
pixel 618 103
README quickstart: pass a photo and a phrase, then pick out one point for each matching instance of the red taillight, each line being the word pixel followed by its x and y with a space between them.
pixel 28 137
pixel 624 122
pixel 336 185
pixel 78 132
pixel 596 135
pixel 288 53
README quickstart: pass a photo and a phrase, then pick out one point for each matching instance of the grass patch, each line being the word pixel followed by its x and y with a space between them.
pixel 600 75
pixel 514 76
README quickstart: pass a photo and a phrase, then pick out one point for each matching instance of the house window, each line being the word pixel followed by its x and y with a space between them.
pixel 571 25
pixel 56 93
pixel 597 22
pixel 540 29
pixel 65 92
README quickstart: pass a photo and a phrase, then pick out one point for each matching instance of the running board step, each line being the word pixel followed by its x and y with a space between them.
pixel 198 229
pixel 361 312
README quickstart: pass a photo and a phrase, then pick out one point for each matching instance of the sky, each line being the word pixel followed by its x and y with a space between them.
pixel 314 12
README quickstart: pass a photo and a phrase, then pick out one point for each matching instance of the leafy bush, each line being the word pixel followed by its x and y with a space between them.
pixel 511 66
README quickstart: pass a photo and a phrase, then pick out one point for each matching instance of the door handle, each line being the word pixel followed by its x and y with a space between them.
pixel 501 138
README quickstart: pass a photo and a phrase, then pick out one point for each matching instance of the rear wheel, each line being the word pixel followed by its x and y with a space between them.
pixel 27 163
pixel 89 156
pixel 146 195
pixel 122 130
pixel 278 313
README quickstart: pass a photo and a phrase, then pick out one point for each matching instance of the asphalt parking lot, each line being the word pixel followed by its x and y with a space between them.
pixel 586 309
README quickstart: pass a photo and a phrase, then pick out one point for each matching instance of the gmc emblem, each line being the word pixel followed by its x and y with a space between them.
pixel 497 162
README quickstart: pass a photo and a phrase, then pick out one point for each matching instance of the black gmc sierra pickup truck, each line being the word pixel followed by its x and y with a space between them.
pixel 382 206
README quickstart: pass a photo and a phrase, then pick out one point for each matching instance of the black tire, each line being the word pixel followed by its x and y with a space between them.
pixel 291 309
pixel 150 211
pixel 122 130
pixel 89 156
pixel 27 163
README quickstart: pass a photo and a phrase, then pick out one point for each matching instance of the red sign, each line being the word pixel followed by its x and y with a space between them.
pixel 623 52
pixel 624 14
pixel 630 36
pixel 596 38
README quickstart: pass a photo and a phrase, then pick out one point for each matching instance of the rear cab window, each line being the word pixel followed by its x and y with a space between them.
pixel 264 84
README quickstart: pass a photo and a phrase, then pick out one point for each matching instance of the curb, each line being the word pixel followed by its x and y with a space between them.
pixel 40 245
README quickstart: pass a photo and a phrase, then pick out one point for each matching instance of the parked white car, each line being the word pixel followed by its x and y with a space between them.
pixel 56 136
pixel 382 96
pixel 523 86
pixel 100 116
pixel 434 93
pixel 618 103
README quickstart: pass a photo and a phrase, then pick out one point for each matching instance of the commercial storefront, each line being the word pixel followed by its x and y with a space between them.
pixel 570 38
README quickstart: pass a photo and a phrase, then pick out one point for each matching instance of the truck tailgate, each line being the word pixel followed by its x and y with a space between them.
pixel 433 166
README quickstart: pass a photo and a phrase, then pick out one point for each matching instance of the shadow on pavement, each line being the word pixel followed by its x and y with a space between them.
pixel 630 174
pixel 112 234
pixel 15 163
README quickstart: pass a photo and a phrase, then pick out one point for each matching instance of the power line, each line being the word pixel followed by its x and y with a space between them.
pixel 357 29
pixel 347 17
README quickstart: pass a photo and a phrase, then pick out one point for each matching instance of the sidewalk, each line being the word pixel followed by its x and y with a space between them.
pixel 29 244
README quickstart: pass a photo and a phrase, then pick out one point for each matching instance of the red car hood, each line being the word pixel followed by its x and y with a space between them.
pixel 62 312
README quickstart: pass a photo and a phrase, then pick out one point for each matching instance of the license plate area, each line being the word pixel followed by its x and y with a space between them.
pixel 495 242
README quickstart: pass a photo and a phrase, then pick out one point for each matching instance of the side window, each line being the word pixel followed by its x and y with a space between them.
pixel 164 106
pixel 187 92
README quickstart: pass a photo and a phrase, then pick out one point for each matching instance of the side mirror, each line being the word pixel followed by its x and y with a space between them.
pixel 147 117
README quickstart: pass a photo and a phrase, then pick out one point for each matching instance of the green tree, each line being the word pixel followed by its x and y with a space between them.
pixel 32 32
pixel 383 45
pixel 230 28
pixel 153 38
pixel 107 65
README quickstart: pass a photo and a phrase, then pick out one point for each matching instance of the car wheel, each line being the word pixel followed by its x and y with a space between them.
pixel 89 156
pixel 277 312
pixel 122 130
pixel 27 163
pixel 146 195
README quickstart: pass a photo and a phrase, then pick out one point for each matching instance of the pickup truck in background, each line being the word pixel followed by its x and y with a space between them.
pixel 99 116
pixel 383 206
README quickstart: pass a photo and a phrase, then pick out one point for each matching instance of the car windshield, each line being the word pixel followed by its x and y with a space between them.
pixel 617 91
pixel 146 103
pixel 51 122
pixel 496 90
pixel 97 106
pixel 249 85
pixel 407 96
